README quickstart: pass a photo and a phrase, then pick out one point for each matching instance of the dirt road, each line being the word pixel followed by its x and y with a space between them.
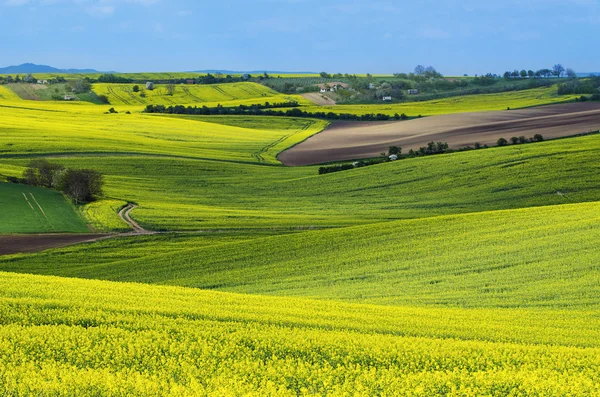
pixel 354 140
pixel 125 214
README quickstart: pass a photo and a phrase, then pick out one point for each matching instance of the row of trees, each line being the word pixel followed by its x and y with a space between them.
pixel 267 110
pixel 520 139
pixel 81 186
pixel 29 79
pixel 557 71
pixel 209 78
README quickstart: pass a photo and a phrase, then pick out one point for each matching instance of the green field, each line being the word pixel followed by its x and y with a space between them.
pixel 242 93
pixel 28 209
pixel 537 257
pixel 467 274
pixel 457 104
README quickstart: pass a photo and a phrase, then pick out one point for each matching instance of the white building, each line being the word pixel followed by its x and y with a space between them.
pixel 413 92
pixel 387 98
pixel 393 157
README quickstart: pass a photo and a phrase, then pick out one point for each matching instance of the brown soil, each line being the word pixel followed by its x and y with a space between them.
pixel 319 99
pixel 349 140
pixel 36 243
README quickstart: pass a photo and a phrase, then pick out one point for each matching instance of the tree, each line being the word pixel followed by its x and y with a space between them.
pixel 514 140
pixel 507 75
pixel 397 150
pixel 419 70
pixel 325 75
pixel 538 137
pixel 81 186
pixel 502 142
pixel 29 79
pixel 558 70
pixel 136 88
pixel 523 73
pixel 571 73
pixel 530 74
pixel 170 89
pixel 80 86
pixel 41 173
pixel 522 139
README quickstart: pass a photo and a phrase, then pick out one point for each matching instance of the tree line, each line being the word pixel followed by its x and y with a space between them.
pixel 267 110
pixel 80 185
pixel 209 78
pixel 557 71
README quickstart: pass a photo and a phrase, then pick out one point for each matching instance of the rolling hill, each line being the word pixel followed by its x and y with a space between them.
pixel 471 273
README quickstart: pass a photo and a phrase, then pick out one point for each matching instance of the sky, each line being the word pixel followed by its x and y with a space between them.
pixel 349 36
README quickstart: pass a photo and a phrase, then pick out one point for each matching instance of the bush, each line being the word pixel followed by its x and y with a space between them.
pixel 81 186
pixel 514 140
pixel 538 137
pixel 502 142
pixel 394 150
pixel 335 168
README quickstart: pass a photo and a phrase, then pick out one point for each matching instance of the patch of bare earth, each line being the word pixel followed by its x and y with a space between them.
pixel 15 244
pixel 349 140
pixel 319 99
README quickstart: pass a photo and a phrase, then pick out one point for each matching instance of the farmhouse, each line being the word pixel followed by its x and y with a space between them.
pixel 387 98
pixel 333 87
pixel 150 85
pixel 69 98
pixel 413 92
pixel 393 157
pixel 371 86
pixel 190 82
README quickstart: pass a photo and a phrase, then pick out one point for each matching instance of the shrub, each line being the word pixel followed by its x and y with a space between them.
pixel 514 140
pixel 394 150
pixel 502 142
pixel 538 137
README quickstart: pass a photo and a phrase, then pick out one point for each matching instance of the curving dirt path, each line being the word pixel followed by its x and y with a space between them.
pixel 349 140
pixel 125 214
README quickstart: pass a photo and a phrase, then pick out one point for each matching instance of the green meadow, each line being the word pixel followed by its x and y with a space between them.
pixel 27 209
pixel 464 274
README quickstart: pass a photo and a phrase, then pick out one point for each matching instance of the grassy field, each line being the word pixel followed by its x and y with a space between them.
pixel 466 274
pixel 28 209
pixel 28 130
pixel 196 194
pixel 71 337
pixel 537 257
pixel 459 104
pixel 123 94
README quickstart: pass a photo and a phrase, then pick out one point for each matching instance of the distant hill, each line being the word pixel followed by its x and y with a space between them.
pixel 213 71
pixel 33 68
pixel 588 74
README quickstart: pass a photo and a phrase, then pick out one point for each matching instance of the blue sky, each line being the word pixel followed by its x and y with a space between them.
pixel 469 36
